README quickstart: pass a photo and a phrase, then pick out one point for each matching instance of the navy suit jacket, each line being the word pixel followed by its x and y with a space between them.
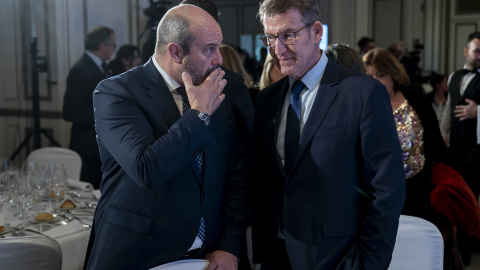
pixel 82 80
pixel 341 203
pixel 153 195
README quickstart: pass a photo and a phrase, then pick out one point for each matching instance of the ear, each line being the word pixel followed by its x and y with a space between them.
pixel 465 51
pixel 176 52
pixel 317 29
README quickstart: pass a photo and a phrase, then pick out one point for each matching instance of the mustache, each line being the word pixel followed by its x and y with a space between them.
pixel 211 69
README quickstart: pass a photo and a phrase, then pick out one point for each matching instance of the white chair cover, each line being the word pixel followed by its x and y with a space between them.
pixel 193 264
pixel 30 252
pixel 69 158
pixel 419 245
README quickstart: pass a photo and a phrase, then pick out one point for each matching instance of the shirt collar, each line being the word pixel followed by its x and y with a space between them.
pixel 95 59
pixel 311 79
pixel 171 83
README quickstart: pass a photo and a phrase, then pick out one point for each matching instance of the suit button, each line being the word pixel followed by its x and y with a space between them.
pixel 288 192
pixel 193 232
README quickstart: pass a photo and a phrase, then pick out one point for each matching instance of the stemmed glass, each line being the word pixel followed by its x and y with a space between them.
pixel 31 171
pixel 9 174
pixel 58 180
pixel 23 190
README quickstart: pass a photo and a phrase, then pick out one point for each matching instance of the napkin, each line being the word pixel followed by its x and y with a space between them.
pixel 60 231
pixel 97 193
pixel 79 184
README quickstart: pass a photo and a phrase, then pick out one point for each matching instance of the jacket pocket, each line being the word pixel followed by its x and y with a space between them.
pixel 130 220
pixel 329 131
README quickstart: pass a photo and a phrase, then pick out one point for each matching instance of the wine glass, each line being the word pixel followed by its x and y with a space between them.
pixel 58 180
pixel 31 171
pixel 23 189
pixel 10 175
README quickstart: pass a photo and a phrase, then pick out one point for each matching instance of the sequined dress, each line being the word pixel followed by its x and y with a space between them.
pixel 410 134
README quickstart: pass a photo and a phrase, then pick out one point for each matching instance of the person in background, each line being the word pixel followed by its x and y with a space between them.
pixel 83 77
pixel 460 126
pixel 398 49
pixel 438 97
pixel 232 61
pixel 235 91
pixel 346 56
pixel 270 73
pixel 329 182
pixel 365 44
pixel 127 57
pixel 175 172
pixel 421 141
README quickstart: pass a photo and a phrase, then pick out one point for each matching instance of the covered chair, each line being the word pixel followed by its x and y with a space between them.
pixel 69 158
pixel 30 252
pixel 192 264
pixel 419 245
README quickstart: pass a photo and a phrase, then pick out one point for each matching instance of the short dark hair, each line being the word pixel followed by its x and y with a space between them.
pixel 206 5
pixel 471 37
pixel 364 41
pixel 436 78
pixel 96 36
pixel 311 10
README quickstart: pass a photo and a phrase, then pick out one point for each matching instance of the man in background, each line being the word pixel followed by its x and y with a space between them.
pixel 365 44
pixel 83 77
pixel 460 125
pixel 328 171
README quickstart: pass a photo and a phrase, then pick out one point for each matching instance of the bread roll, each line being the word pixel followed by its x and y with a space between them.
pixel 67 204
pixel 2 228
pixel 44 217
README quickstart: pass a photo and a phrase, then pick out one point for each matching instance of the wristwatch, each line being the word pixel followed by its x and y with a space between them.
pixel 205 118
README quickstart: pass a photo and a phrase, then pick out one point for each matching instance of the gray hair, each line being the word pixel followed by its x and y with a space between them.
pixel 173 28
pixel 311 10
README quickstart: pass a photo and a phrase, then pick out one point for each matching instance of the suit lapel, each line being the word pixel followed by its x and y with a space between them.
pixel 157 90
pixel 474 83
pixel 323 101
pixel 278 117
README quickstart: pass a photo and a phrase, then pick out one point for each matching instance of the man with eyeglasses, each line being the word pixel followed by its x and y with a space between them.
pixel 328 169
pixel 83 77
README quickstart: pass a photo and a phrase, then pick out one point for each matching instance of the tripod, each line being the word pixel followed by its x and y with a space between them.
pixel 37 130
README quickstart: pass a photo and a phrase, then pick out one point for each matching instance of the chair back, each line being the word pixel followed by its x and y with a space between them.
pixel 69 158
pixel 30 252
pixel 419 245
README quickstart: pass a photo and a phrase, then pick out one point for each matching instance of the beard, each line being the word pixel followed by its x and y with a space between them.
pixel 198 77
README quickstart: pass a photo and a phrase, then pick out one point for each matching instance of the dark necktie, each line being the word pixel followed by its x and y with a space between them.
pixel 292 131
pixel 106 70
pixel 198 157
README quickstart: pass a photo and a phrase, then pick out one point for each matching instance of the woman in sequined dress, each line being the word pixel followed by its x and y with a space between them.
pixel 417 127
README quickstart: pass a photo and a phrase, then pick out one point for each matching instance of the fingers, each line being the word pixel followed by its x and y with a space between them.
pixel 187 80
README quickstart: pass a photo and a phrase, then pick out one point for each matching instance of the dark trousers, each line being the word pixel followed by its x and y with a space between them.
pixel 280 257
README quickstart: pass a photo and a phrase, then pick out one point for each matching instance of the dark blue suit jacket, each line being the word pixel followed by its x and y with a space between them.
pixel 341 203
pixel 152 193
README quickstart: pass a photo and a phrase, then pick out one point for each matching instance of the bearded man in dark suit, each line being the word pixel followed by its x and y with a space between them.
pixel 175 174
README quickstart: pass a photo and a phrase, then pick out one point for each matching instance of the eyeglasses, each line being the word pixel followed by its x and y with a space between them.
pixel 286 38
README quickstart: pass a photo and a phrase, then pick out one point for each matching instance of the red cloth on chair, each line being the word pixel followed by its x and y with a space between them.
pixel 453 198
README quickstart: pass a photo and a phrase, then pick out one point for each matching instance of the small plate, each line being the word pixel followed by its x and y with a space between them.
pixel 6 228
pixel 55 219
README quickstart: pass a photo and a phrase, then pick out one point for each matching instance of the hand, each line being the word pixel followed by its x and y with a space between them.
pixel 208 96
pixel 222 260
pixel 464 112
